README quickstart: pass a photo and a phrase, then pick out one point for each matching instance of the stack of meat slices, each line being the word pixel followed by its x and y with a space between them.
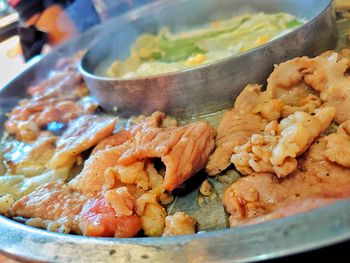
pixel 279 140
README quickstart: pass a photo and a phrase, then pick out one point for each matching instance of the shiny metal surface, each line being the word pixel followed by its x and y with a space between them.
pixel 211 87
pixel 307 231
pixel 281 237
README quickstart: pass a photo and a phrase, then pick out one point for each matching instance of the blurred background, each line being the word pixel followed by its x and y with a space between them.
pixel 30 28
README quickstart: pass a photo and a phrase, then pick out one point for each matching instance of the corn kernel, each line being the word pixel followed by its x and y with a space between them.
pixel 195 60
pixel 261 40
pixel 243 49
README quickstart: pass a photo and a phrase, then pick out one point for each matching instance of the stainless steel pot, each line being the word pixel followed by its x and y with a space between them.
pixel 210 87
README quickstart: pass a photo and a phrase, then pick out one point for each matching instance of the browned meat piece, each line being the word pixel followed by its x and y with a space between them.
pixel 82 134
pixel 184 150
pixel 51 202
pixel 119 170
pixel 296 207
pixel 338 146
pixel 61 84
pixel 56 203
pixel 248 98
pixel 42 112
pixel 287 75
pixel 55 99
pixel 325 74
pixel 91 180
pixel 111 141
pixel 328 78
pixel 146 123
pixel 277 149
pixel 262 193
pixel 64 111
pixel 253 109
pixel 234 130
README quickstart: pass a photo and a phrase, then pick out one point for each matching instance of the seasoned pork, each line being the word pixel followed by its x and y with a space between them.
pixel 338 146
pixel 287 209
pixel 183 150
pixel 50 201
pixel 82 134
pixel 262 193
pixel 277 149
pixel 325 74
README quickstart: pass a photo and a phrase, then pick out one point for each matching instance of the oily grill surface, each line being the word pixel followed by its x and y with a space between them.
pixel 277 238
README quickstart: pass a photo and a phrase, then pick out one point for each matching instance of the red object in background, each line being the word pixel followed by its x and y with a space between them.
pixel 13 3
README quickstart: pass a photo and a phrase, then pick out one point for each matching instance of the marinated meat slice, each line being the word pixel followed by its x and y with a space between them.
pixel 253 109
pixel 64 111
pixel 98 218
pixel 49 202
pixel 263 193
pixel 111 141
pixel 277 149
pixel 289 209
pixel 61 84
pixel 55 99
pixel 236 127
pixel 118 190
pixel 82 134
pixel 184 150
pixel 25 111
pixel 286 85
pixel 42 113
pixel 248 98
pixel 91 180
pixel 328 78
pixel 287 75
pixel 92 217
pixel 308 104
pixel 143 124
pixel 234 130
pixel 338 146
pixel 325 74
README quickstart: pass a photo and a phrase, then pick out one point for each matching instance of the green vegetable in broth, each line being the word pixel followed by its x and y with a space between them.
pixel 165 52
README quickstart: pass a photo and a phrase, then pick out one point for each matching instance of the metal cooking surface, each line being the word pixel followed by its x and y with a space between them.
pixel 277 238
pixel 280 237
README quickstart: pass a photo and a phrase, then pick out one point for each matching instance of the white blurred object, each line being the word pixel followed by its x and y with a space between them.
pixel 3 5
pixel 11 60
pixel 8 19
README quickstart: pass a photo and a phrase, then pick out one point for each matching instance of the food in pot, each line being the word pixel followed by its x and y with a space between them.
pixel 167 52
